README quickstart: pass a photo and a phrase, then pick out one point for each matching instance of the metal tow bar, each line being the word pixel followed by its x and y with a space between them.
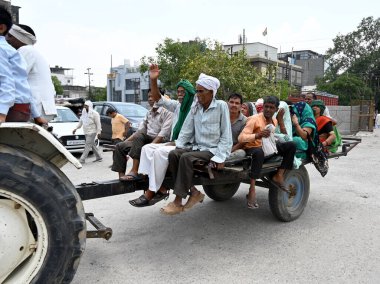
pixel 101 230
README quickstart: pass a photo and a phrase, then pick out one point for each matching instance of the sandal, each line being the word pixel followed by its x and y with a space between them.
pixel 252 204
pixel 171 209
pixel 142 201
pixel 130 177
pixel 158 197
pixel 281 186
pixel 194 199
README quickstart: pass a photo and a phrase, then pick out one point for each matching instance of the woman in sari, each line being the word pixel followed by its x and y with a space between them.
pixel 325 127
pixel 303 125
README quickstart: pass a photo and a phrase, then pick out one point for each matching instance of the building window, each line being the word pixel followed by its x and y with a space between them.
pixel 128 84
pixel 145 95
pixel 130 98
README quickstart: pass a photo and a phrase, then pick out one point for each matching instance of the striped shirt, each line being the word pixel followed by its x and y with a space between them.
pixel 208 130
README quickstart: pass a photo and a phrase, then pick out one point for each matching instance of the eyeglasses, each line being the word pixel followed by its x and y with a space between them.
pixel 201 92
pixel 181 92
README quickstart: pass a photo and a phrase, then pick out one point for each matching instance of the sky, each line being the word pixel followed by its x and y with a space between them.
pixel 83 34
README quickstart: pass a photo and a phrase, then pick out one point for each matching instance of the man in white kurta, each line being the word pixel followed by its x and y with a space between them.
pixel 154 157
pixel 23 38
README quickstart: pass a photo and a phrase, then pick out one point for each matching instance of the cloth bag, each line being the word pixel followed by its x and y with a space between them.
pixel 269 144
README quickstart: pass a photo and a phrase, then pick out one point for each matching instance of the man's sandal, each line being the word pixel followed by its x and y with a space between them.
pixel 194 199
pixel 171 209
pixel 158 197
pixel 281 186
pixel 142 201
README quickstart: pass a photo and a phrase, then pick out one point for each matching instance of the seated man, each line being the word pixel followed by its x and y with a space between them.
pixel 238 121
pixel 206 136
pixel 155 128
pixel 252 135
pixel 154 157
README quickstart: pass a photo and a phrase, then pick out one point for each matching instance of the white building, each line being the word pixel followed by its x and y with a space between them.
pixel 64 75
pixel 261 55
pixel 127 84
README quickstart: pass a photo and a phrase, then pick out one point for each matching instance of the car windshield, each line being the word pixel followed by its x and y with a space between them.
pixel 131 110
pixel 65 115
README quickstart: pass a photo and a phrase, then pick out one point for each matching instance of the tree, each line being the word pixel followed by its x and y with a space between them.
pixel 57 85
pixel 98 94
pixel 236 73
pixel 346 86
pixel 171 57
pixel 356 56
pixel 357 52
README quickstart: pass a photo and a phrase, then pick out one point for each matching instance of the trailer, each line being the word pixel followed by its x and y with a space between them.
pixel 42 220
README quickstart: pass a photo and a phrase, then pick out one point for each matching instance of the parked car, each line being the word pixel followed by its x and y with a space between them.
pixel 63 126
pixel 133 112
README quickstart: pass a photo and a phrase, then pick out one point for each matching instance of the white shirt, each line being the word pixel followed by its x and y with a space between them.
pixel 92 125
pixel 39 79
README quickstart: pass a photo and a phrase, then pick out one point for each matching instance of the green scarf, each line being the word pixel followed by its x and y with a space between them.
pixel 185 106
pixel 320 104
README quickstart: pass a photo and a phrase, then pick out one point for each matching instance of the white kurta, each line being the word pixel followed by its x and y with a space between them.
pixel 39 79
pixel 154 163
pixel 154 157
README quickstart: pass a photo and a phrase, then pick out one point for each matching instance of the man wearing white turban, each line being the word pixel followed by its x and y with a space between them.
pixel 22 38
pixel 206 136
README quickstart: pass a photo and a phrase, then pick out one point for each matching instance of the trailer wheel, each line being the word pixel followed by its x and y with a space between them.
pixel 221 192
pixel 42 221
pixel 288 207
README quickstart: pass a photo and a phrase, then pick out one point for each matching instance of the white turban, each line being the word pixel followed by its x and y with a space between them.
pixel 22 35
pixel 208 82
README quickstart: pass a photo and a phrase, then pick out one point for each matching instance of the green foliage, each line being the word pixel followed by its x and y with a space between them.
pixel 171 57
pixel 285 89
pixel 57 85
pixel 236 74
pixel 347 87
pixel 354 62
pixel 98 94
pixel 357 52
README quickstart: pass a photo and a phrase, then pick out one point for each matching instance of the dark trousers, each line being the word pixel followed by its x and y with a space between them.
pixel 131 148
pixel 181 167
pixel 286 150
pixel 116 141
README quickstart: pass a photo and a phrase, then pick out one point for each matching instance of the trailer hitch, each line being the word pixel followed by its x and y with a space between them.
pixel 101 230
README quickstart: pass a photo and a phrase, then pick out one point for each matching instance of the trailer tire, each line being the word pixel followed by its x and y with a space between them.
pixel 288 207
pixel 221 192
pixel 55 219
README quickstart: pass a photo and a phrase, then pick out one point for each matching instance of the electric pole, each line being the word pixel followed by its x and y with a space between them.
pixel 89 82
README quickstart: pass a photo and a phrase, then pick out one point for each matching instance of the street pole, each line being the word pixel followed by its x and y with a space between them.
pixel 89 82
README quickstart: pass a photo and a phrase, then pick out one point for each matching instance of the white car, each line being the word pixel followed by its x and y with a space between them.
pixel 63 126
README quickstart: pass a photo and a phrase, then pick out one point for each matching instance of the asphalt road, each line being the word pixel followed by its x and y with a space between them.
pixel 336 240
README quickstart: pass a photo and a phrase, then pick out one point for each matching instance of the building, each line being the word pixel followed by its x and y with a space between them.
pixel 14 10
pixel 127 84
pixel 66 77
pixel 312 63
pixel 261 55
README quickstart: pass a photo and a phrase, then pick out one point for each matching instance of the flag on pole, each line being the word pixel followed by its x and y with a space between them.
pixel 265 32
